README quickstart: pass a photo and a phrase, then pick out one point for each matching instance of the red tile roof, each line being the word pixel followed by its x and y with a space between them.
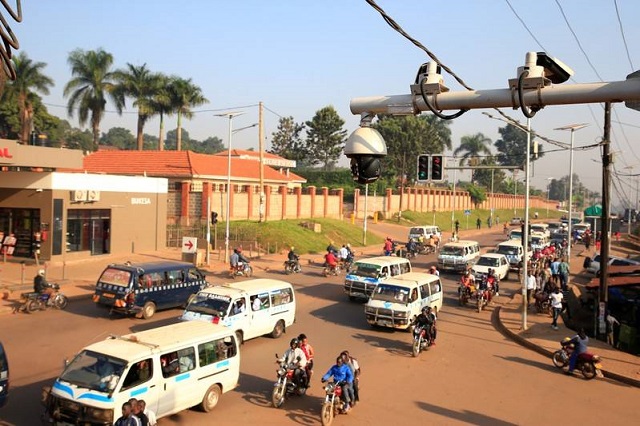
pixel 240 152
pixel 185 164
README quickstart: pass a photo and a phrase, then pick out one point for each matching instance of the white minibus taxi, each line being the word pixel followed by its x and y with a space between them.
pixel 172 368
pixel 396 302
pixel 250 308
pixel 365 274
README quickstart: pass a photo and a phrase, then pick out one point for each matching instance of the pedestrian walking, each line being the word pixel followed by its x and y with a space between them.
pixel 531 286
pixel 556 305
pixel 478 223
pixel 457 224
pixel 611 323
pixel 563 271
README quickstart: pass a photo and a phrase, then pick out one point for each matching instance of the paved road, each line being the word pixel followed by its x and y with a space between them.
pixel 473 376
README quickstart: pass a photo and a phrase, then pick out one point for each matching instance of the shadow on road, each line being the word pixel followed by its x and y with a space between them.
pixel 399 345
pixel 348 315
pixel 465 416
pixel 328 291
pixel 530 362
pixel 304 410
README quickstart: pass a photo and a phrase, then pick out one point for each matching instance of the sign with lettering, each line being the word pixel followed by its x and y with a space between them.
pixel 141 200
pixel 7 151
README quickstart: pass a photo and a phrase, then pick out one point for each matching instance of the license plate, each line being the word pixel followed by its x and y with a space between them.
pixel 385 323
pixel 108 295
pixel 598 366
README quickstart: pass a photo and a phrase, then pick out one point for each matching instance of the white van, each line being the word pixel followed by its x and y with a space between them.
pixel 365 274
pixel 172 368
pixel 514 252
pixel 250 308
pixel 458 256
pixel 538 241
pixel 397 302
pixel 541 228
pixel 424 231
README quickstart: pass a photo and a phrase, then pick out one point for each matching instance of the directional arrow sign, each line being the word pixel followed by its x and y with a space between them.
pixel 189 244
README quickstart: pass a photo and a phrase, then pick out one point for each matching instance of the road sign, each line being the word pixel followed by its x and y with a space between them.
pixel 189 244
pixel 467 212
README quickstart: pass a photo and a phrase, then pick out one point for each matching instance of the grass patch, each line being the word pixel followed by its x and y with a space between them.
pixel 279 236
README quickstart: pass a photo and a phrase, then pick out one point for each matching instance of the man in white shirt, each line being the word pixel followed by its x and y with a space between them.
pixel 556 305
pixel 343 253
pixel 294 357
pixel 531 286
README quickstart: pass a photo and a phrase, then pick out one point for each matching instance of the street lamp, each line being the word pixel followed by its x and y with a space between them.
pixel 229 115
pixel 549 179
pixel 572 128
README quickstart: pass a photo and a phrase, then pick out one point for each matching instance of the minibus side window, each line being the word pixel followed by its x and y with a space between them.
pixel 395 270
pixel 177 362
pixel 281 296
pixel 414 295
pixel 151 279
pixel 175 277
pixel 194 274
pixel 435 287
pixel 259 301
pixel 424 291
pixel 405 267
pixel 216 350
pixel 139 373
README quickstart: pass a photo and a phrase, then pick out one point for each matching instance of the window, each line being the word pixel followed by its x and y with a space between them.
pixel 405 267
pixel 281 296
pixel 177 362
pixel 424 291
pixel 139 373
pixel 88 230
pixel 151 279
pixel 435 287
pixel 194 275
pixel 216 350
pixel 259 301
pixel 175 277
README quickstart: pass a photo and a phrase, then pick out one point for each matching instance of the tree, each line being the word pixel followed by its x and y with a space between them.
pixel 79 139
pixel 512 146
pixel 184 95
pixel 477 195
pixel 89 87
pixel 29 80
pixel 287 142
pixel 325 137
pixel 483 176
pixel 139 83
pixel 162 105
pixel 211 145
pixel 408 136
pixel 471 148
pixel 119 137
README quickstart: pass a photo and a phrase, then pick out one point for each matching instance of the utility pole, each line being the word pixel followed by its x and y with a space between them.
pixel 606 227
pixel 404 160
pixel 261 209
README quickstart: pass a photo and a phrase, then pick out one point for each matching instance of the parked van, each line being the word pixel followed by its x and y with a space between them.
pixel 142 288
pixel 172 368
pixel 396 302
pixel 541 228
pixel 4 377
pixel 250 308
pixel 458 256
pixel 424 231
pixel 514 252
pixel 365 274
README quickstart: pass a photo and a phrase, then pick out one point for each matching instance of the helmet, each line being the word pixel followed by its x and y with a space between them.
pixel 294 342
pixel 292 248
pixel 41 272
pixel 425 310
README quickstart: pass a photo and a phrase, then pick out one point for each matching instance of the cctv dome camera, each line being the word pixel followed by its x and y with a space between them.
pixel 365 147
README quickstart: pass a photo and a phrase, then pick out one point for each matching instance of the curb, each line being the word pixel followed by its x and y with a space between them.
pixel 498 325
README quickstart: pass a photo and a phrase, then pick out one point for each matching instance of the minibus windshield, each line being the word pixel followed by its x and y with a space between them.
pixel 115 276
pixel 209 304
pixel 94 371
pixel 391 293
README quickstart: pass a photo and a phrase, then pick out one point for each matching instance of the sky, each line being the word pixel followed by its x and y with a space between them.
pixel 299 56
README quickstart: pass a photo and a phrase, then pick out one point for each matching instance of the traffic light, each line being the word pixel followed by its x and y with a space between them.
pixel 214 217
pixel 423 168
pixel 437 168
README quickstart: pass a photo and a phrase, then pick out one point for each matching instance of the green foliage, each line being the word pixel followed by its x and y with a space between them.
pixel 476 194
pixel 283 234
pixel 408 136
pixel 483 176
pixel 512 146
pixel 325 137
pixel 119 137
pixel 287 142
pixel 79 139
pixel 472 148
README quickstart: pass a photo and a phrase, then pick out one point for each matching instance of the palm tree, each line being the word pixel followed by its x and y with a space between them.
pixel 139 83
pixel 162 105
pixel 472 147
pixel 29 80
pixel 91 83
pixel 184 95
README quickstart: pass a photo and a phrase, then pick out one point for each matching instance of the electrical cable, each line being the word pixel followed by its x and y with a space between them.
pixel 624 39
pixel 439 114
pixel 528 112
pixel 8 38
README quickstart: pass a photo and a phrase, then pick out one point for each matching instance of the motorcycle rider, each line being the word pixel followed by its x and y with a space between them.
pixel 294 357
pixel 293 258
pixel 241 257
pixel 580 342
pixel 233 261
pixel 412 247
pixel 494 280
pixel 332 248
pixel 40 285
pixel 353 364
pixel 343 377
pixel 309 353
pixel 426 320
pixel 330 260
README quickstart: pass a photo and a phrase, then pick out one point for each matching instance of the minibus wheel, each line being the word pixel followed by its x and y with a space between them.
pixel 278 329
pixel 148 310
pixel 211 398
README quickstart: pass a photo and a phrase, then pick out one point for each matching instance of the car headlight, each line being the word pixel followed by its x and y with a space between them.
pixel 402 314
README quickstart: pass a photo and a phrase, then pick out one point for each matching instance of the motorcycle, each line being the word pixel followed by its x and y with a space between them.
pixel 34 301
pixel 464 293
pixel 588 363
pixel 331 270
pixel 483 298
pixel 332 404
pixel 285 384
pixel 292 267
pixel 543 305
pixel 241 270
pixel 420 340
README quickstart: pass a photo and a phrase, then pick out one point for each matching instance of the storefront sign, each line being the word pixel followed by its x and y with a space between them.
pixel 142 201
pixel 7 151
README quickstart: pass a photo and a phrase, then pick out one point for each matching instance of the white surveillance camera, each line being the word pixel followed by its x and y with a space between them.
pixel 365 146
pixel 554 69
